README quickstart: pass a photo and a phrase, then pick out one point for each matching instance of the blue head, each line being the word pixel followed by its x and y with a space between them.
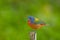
pixel 31 18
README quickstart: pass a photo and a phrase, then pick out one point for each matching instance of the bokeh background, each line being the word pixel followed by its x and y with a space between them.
pixel 13 19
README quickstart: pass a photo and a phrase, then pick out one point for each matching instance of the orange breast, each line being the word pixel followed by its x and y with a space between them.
pixel 34 26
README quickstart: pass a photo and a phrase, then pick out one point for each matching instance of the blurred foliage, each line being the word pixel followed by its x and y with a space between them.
pixel 13 24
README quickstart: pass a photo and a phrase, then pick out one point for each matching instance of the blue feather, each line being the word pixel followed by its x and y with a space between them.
pixel 31 18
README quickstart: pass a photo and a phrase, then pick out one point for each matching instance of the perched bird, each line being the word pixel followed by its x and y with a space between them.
pixel 35 23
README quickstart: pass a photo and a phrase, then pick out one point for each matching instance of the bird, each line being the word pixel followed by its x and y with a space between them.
pixel 35 23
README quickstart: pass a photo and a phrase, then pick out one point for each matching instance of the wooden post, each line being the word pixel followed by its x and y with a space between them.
pixel 33 35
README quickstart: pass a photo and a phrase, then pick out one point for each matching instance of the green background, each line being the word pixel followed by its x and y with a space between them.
pixel 13 19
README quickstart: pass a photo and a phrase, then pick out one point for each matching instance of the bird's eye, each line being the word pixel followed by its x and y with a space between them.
pixel 30 18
